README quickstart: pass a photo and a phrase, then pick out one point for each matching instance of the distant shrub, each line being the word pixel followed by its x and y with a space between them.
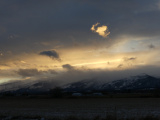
pixel 56 92
pixel 149 117
pixel 111 117
pixel 8 93
pixel 97 117
pixel 72 118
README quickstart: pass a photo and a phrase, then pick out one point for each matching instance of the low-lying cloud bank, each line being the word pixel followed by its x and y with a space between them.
pixel 74 74
pixel 35 72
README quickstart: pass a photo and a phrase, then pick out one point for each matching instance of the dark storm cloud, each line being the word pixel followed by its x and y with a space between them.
pixel 35 72
pixel 134 18
pixel 37 21
pixel 151 46
pixel 50 71
pixel 120 66
pixel 68 67
pixel 26 24
pixel 28 72
pixel 129 59
pixel 52 54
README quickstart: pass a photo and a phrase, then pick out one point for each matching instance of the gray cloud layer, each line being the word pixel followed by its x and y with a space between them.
pixel 68 66
pixel 105 75
pixel 35 72
pixel 28 72
pixel 28 23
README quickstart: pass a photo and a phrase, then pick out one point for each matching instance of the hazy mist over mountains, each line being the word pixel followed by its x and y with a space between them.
pixel 139 82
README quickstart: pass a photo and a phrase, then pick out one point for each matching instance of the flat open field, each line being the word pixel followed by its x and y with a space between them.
pixel 88 108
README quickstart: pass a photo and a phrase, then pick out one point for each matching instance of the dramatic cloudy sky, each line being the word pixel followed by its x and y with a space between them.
pixel 70 40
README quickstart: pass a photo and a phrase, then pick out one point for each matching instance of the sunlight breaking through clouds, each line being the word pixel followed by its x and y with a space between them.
pixel 58 40
pixel 101 30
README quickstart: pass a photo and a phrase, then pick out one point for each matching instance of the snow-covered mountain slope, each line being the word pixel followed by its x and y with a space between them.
pixel 141 82
pixel 33 86
pixel 132 83
pixel 84 85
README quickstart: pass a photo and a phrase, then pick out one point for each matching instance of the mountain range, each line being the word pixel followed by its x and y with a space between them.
pixel 140 82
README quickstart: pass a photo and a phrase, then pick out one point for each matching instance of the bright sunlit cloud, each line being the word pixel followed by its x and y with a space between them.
pixel 101 30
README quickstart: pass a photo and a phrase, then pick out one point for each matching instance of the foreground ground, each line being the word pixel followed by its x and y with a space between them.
pixel 81 108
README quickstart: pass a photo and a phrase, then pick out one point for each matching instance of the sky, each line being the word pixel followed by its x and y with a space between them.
pixel 71 40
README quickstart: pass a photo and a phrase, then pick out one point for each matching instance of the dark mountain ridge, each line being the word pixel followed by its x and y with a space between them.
pixel 140 82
